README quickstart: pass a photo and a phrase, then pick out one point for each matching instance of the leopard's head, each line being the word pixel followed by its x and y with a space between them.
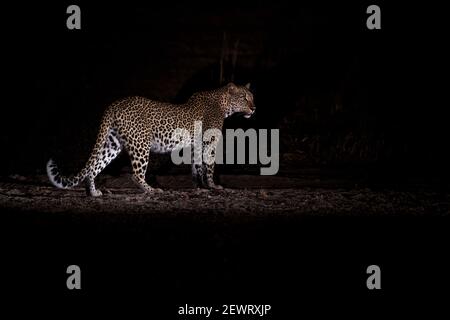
pixel 240 100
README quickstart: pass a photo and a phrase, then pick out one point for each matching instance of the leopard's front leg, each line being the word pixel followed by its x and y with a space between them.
pixel 209 176
pixel 209 161
pixel 197 167
pixel 197 176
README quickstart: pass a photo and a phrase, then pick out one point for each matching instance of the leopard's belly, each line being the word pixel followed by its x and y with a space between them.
pixel 167 144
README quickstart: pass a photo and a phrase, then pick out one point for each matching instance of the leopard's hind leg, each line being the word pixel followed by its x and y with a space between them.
pixel 139 152
pixel 103 156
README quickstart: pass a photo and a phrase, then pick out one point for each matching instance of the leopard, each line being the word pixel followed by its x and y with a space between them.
pixel 142 126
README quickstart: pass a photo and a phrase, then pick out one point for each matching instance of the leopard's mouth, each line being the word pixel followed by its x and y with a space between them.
pixel 248 115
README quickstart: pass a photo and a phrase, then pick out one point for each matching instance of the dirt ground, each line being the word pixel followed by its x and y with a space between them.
pixel 243 196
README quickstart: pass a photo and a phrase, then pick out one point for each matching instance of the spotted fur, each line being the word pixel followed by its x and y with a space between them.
pixel 141 126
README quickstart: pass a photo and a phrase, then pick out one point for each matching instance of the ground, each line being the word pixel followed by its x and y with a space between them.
pixel 244 196
pixel 243 242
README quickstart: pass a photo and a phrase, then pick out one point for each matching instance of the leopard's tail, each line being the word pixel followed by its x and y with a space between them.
pixel 61 181
pixel 66 182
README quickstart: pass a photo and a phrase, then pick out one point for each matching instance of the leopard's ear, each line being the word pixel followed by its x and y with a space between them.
pixel 231 87
pixel 248 86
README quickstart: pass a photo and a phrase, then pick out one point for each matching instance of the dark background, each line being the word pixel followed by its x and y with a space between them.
pixel 341 95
